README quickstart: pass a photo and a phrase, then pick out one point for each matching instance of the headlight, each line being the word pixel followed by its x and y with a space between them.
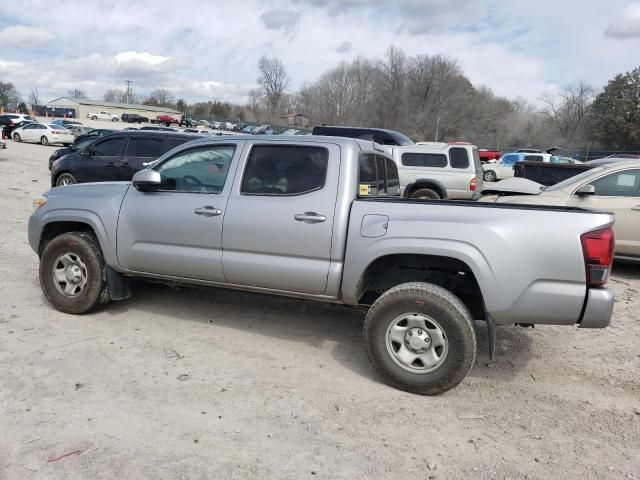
pixel 39 201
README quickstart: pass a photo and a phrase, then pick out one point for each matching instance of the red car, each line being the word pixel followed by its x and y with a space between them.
pixel 488 155
pixel 166 119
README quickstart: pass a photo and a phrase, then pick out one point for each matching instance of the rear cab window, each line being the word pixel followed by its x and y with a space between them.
pixel 378 176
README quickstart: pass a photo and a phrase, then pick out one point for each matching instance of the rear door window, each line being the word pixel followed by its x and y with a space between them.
pixel 415 159
pixel 459 158
pixel 285 170
pixel 145 147
pixel 111 147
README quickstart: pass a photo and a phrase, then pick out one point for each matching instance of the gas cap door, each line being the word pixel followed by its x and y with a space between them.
pixel 374 226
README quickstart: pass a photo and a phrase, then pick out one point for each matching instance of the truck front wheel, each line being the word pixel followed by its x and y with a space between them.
pixel 72 273
pixel 421 338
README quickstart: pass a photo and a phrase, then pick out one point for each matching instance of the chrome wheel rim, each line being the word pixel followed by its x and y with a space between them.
pixel 416 342
pixel 64 181
pixel 69 274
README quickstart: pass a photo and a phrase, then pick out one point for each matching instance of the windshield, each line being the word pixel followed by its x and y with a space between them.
pixel 571 180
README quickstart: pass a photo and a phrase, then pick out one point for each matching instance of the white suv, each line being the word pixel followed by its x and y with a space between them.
pixel 433 170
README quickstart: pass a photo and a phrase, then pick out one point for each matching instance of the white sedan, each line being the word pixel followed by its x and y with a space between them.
pixel 44 134
pixel 102 115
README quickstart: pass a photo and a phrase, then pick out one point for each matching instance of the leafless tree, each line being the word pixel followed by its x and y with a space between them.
pixel 568 109
pixel 160 97
pixel 9 96
pixel 34 97
pixel 274 80
pixel 77 93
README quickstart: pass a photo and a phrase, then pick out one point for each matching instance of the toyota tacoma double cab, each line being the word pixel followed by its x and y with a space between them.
pixel 322 218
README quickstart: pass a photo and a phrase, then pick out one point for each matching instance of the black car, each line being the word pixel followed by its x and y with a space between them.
pixel 115 157
pixel 133 118
pixel 81 142
pixel 95 133
pixel 378 135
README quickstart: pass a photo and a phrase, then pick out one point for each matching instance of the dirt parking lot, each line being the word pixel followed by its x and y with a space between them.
pixel 195 384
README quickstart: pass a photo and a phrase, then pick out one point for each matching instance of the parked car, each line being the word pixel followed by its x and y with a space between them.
pixel 238 127
pixel 427 269
pixel 291 131
pixel 43 134
pixel 76 146
pixel 248 129
pixel 133 118
pixel 613 187
pixel 80 130
pixel 187 121
pixel 504 167
pixel 115 157
pixel 103 115
pixel 15 118
pixel 437 170
pixel 168 120
pixel 487 155
pixel 261 129
pixel 65 123
pixel 203 123
pixel 158 129
pixel 10 127
pixel 378 135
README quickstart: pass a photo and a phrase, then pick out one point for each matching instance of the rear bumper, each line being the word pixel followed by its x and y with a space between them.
pixel 599 308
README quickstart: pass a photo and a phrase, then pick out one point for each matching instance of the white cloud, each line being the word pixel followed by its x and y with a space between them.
pixel 141 64
pixel 20 36
pixel 627 24
pixel 285 20
pixel 344 47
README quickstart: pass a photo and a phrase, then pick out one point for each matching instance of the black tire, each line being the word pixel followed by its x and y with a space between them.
pixel 65 179
pixel 454 320
pixel 425 194
pixel 84 246
pixel 489 176
pixel 44 140
pixel 17 137
pixel 114 119
pixel 94 118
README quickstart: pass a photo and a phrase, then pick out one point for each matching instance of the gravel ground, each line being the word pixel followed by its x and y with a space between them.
pixel 195 384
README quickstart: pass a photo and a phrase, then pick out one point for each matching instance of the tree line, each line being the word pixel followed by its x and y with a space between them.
pixel 427 97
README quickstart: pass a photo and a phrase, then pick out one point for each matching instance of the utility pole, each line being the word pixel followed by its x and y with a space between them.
pixel 128 82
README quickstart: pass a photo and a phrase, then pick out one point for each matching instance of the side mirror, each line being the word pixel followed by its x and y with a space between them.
pixel 586 190
pixel 146 180
pixel 85 152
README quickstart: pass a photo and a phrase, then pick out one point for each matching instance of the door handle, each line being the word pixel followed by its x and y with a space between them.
pixel 208 211
pixel 637 207
pixel 309 217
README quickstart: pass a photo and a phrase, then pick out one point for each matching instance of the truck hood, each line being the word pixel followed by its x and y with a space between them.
pixel 515 185
pixel 90 190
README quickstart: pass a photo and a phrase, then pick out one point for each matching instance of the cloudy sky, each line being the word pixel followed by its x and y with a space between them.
pixel 205 49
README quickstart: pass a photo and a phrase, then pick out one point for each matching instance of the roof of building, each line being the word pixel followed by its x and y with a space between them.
pixel 100 103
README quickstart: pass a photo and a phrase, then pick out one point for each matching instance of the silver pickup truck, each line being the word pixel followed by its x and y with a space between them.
pixel 321 218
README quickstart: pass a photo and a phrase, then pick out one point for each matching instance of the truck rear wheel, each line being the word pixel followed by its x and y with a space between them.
pixel 421 338
pixel 426 194
pixel 72 273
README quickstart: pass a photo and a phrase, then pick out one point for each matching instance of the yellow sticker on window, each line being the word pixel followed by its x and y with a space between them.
pixel 365 189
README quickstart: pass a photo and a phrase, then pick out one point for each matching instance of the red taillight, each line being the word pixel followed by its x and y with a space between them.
pixel 472 185
pixel 598 248
pixel 57 132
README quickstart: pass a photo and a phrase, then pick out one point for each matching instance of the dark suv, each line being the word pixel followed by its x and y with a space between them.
pixel 133 118
pixel 115 157
pixel 378 135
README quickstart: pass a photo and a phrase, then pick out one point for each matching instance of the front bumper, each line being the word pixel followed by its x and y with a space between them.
pixel 599 308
